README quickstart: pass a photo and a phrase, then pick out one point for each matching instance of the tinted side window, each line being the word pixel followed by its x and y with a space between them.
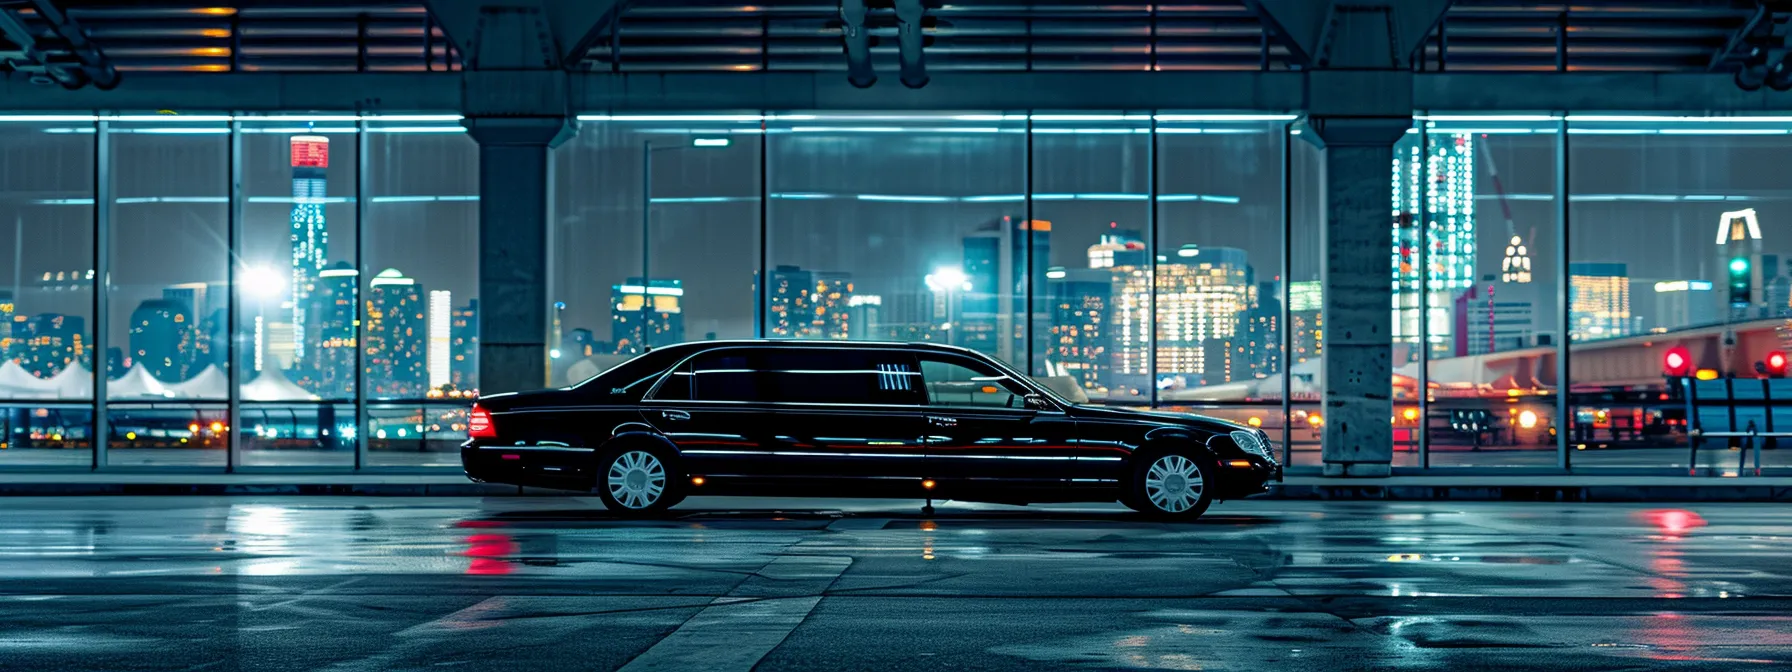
pixel 722 375
pixel 834 376
pixel 963 382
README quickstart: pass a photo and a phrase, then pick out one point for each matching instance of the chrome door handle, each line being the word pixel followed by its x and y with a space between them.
pixel 675 415
pixel 939 421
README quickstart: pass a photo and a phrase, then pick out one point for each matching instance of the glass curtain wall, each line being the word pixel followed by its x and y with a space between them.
pixel 420 300
pixel 1126 258
pixel 46 291
pixel 689 187
pixel 1679 289
pixel 166 287
pixel 901 228
pixel 296 317
pixel 1220 266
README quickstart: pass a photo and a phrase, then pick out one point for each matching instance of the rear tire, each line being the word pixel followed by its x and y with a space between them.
pixel 639 480
pixel 1173 485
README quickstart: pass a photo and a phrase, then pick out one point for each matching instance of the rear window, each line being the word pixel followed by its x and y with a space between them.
pixel 838 376
pixel 793 375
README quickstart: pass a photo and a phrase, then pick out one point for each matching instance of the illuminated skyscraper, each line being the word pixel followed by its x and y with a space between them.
pixel 441 319
pixel 464 348
pixel 863 316
pixel 1436 183
pixel 1263 341
pixel 205 336
pixel 1304 318
pixel 1598 300
pixel 52 343
pixel 808 304
pixel 999 257
pixel 1128 324
pixel 1078 348
pixel 310 241
pixel 1202 300
pixel 330 373
pixel 7 308
pixel 395 337
pixel 636 323
pixel 159 328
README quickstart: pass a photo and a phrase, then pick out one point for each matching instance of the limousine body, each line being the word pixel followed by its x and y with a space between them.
pixel 838 419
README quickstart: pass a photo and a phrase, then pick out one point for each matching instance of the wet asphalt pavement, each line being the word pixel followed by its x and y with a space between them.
pixel 376 584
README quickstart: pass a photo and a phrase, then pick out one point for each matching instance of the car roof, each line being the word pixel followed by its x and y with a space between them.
pixel 795 343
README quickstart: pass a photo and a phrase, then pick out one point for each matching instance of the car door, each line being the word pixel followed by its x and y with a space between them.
pixel 846 412
pixel 979 425
pixel 715 409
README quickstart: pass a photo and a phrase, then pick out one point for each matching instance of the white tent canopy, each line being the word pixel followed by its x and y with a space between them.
pixel 137 384
pixel 74 382
pixel 17 383
pixel 210 383
pixel 272 385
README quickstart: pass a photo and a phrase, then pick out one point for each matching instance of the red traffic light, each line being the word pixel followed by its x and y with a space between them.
pixel 1776 364
pixel 1677 362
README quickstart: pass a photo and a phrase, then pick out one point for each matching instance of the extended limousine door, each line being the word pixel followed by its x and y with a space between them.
pixel 979 426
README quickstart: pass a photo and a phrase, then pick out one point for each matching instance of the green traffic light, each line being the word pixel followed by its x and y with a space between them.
pixel 1739 265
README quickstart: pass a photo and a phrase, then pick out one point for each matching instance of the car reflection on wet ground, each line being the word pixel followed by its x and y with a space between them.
pixel 140 583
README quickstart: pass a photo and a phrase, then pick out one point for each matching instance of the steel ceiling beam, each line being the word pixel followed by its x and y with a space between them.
pixel 693 93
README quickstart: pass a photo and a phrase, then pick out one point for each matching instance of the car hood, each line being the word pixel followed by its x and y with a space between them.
pixel 1190 420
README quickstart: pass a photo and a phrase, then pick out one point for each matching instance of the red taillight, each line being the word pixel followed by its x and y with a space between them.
pixel 479 424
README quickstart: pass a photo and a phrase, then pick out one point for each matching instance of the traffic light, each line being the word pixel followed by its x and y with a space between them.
pixel 1739 282
pixel 1774 364
pixel 1677 363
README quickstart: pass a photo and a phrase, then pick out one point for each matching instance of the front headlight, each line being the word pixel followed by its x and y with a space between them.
pixel 1252 443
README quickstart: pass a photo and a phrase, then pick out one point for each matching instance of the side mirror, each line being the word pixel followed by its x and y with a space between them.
pixel 1037 402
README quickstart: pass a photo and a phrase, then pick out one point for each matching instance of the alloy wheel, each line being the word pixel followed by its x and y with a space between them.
pixel 1174 483
pixel 637 479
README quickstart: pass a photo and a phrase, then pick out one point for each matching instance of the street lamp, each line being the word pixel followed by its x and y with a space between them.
pixel 647 150
pixel 949 281
pixel 261 284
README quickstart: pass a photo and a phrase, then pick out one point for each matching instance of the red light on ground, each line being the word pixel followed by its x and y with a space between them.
pixel 1674 522
pixel 487 552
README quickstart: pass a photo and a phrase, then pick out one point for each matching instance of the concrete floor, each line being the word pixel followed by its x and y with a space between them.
pixel 377 584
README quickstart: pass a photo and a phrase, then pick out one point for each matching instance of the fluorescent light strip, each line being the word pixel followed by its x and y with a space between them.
pixel 1644 119
pixel 422 199
pixel 418 129
pixel 47 118
pixel 171 118
pixel 170 199
pixel 1489 117
pixel 290 200
pixel 1226 117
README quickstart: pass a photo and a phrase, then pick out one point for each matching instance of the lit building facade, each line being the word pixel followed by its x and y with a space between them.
pixel 396 337
pixel 159 329
pixel 1078 347
pixel 463 370
pixel 1433 190
pixel 808 304
pixel 310 239
pixel 1306 321
pixel 1202 299
pixel 330 372
pixel 1598 300
pixel 647 316
pixel 999 256
pixel 441 319
pixel 53 342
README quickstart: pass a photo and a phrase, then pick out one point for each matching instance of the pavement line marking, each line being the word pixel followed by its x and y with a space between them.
pixel 735 631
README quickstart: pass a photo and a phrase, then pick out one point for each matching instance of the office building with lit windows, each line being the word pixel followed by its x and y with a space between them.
pixel 646 316
pixel 1599 300
pixel 396 336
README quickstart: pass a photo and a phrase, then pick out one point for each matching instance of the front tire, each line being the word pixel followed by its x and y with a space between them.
pixel 1175 485
pixel 639 481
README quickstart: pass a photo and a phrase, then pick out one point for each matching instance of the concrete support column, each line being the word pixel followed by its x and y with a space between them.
pixel 1358 368
pixel 513 230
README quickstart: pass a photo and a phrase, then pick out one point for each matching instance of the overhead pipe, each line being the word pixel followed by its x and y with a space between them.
pixel 93 66
pixel 909 14
pixel 857 42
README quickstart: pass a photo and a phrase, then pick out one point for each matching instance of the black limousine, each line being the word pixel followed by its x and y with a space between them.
pixel 805 418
